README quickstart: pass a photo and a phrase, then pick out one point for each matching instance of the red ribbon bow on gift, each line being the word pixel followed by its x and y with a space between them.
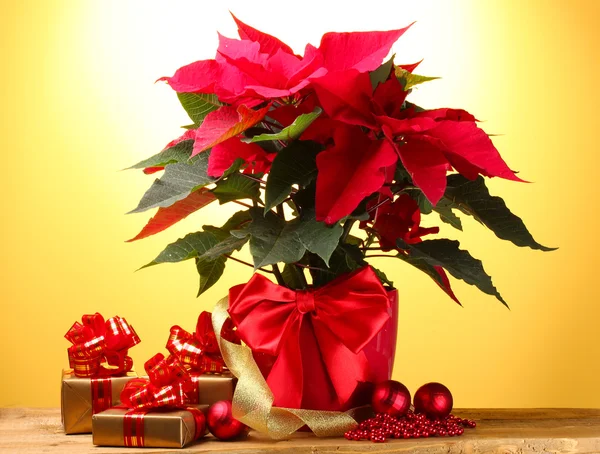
pixel 166 386
pixel 200 351
pixel 96 342
pixel 317 335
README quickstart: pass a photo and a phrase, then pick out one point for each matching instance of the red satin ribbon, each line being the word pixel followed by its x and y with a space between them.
pixel 200 351
pixel 317 335
pixel 96 343
pixel 167 386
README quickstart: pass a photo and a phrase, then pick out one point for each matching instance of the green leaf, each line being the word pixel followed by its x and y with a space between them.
pixel 210 272
pixel 293 131
pixel 345 258
pixel 235 222
pixel 190 246
pixel 272 240
pixel 178 181
pixel 235 167
pixel 295 164
pixel 178 153
pixel 198 105
pixel 318 237
pixel 381 74
pixel 457 262
pixel 224 247
pixel 423 265
pixel 473 198
pixel 409 80
pixel 236 187
pixel 425 206
pixel 195 245
pixel 292 277
pixel 444 209
pixel 382 277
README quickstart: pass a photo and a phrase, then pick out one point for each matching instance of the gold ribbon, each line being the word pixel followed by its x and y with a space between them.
pixel 253 400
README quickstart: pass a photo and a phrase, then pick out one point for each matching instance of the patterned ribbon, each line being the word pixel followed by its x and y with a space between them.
pixel 100 347
pixel 199 352
pixel 133 426
pixel 101 394
pixel 167 386
pixel 253 400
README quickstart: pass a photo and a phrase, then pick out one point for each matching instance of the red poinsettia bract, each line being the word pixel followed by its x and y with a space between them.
pixel 334 122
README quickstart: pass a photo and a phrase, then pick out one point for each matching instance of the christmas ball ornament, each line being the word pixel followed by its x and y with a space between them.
pixel 433 399
pixel 391 397
pixel 222 424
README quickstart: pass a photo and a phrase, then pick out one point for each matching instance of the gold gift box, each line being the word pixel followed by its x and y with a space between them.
pixel 212 388
pixel 76 400
pixel 162 428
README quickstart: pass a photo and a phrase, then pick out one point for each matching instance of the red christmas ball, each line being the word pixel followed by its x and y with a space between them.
pixel 433 399
pixel 391 397
pixel 222 424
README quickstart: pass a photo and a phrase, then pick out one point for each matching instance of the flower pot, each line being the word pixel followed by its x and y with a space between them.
pixel 379 354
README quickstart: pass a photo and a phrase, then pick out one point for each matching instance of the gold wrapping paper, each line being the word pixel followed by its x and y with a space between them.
pixel 162 429
pixel 213 388
pixel 253 400
pixel 76 400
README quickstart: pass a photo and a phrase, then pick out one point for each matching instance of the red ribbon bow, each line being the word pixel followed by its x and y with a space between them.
pixel 166 386
pixel 199 351
pixel 96 342
pixel 317 335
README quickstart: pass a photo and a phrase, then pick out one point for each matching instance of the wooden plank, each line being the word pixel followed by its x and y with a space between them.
pixel 519 431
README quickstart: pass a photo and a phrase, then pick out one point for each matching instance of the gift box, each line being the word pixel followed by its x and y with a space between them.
pixel 200 355
pixel 100 369
pixel 209 389
pixel 158 428
pixel 81 398
pixel 155 411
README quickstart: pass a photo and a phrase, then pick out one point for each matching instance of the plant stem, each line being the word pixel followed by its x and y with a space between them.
pixel 281 142
pixel 242 203
pixel 300 265
pixel 280 212
pixel 250 177
pixel 300 275
pixel 379 255
pixel 270 123
pixel 247 264
pixel 278 275
pixel 387 199
pixel 347 227
pixel 374 207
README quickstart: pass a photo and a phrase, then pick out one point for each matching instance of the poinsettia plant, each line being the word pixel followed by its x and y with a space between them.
pixel 329 161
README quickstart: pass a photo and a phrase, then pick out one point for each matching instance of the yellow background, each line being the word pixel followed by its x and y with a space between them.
pixel 78 104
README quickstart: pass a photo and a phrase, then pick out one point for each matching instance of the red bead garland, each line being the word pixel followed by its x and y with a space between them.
pixel 384 426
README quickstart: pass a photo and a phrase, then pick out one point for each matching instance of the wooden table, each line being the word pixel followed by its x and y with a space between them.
pixel 498 431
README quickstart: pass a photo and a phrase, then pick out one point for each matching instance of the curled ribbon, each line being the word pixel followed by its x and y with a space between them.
pixel 166 386
pixel 97 342
pixel 253 400
pixel 199 351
